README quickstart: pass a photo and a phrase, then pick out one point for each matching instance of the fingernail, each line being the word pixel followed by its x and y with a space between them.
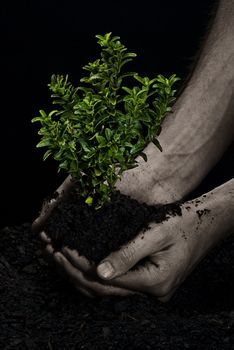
pixel 105 269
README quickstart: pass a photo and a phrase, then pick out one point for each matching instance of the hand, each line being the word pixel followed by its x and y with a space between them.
pixel 141 177
pixel 161 241
pixel 49 205
pixel 170 251
pixel 156 179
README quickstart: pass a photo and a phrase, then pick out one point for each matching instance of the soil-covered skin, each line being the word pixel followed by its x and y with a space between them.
pixel 40 310
pixel 96 233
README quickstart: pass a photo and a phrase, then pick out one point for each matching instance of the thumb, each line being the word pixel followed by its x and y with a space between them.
pixel 50 204
pixel 119 262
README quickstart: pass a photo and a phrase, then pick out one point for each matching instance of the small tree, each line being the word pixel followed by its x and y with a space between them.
pixel 99 128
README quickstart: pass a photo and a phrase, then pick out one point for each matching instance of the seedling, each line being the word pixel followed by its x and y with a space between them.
pixel 99 128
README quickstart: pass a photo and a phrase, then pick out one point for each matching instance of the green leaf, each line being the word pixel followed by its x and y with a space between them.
pixel 136 148
pixel 138 78
pixel 63 165
pixel 42 113
pixel 173 78
pixel 84 145
pixel 97 172
pixel 44 143
pixel 52 113
pixel 36 119
pixel 144 156
pixel 47 154
pixel 157 144
pixel 89 155
pixel 101 140
pixel 128 144
pixel 129 91
pixel 57 155
pixel 160 78
pixel 144 117
pixel 89 201
pixel 95 182
pixel 108 134
pixel 130 54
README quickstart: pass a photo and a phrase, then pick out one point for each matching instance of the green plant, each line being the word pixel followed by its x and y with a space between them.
pixel 99 128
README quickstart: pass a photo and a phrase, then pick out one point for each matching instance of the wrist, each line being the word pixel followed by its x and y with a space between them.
pixel 155 180
pixel 221 203
pixel 170 174
pixel 213 215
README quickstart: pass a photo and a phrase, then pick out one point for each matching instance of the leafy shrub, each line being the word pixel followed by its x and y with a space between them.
pixel 99 128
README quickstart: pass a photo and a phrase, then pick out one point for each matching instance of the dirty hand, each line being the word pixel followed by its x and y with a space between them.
pixel 150 183
pixel 170 251
pixel 153 190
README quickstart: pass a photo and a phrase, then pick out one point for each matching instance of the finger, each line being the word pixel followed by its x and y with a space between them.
pixel 44 237
pixel 119 262
pixel 141 279
pixel 66 186
pixel 49 250
pixel 48 253
pixel 85 292
pixel 79 280
pixel 150 278
pixel 48 206
pixel 78 261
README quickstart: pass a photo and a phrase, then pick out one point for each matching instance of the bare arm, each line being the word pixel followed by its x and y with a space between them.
pixel 201 128
pixel 219 224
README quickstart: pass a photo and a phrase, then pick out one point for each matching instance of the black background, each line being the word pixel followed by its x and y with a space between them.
pixel 40 38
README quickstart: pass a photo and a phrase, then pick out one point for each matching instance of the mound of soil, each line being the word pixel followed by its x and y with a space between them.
pixel 97 233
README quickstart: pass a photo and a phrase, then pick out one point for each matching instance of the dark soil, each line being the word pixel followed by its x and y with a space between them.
pixel 39 310
pixel 96 233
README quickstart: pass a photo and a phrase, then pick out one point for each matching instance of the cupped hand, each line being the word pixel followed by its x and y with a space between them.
pixel 156 262
pixel 148 183
pixel 144 184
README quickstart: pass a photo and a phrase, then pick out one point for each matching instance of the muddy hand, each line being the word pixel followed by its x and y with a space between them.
pixel 173 248
pixel 158 260
pixel 48 206
pixel 170 251
pixel 80 272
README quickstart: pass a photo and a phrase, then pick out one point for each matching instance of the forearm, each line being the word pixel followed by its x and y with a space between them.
pixel 214 210
pixel 201 128
pixel 207 104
